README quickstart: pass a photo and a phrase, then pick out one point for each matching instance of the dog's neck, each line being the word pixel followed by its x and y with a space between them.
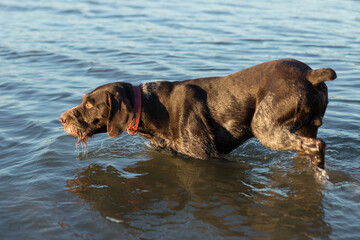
pixel 154 109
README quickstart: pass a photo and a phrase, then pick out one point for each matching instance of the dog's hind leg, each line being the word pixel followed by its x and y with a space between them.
pixel 277 133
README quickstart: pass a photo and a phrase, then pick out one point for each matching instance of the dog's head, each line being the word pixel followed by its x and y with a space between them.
pixel 108 108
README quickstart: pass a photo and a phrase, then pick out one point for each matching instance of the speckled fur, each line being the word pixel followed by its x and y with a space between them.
pixel 281 102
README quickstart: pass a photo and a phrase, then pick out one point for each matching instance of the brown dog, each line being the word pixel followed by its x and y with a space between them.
pixel 281 102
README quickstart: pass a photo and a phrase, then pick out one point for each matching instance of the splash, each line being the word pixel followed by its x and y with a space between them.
pixel 321 175
pixel 114 219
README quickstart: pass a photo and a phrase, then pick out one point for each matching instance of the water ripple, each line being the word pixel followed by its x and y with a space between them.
pixel 52 52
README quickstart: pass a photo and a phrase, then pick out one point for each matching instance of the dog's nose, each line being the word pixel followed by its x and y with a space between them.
pixel 62 120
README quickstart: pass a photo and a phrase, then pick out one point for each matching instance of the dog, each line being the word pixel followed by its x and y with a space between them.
pixel 282 103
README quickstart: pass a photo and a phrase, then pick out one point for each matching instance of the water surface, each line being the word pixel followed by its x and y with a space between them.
pixel 52 52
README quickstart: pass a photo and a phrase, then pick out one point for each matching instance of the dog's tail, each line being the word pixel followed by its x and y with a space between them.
pixel 320 75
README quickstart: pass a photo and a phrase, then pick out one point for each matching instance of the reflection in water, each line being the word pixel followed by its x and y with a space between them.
pixel 239 199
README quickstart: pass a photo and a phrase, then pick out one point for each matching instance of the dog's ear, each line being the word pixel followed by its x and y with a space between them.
pixel 120 114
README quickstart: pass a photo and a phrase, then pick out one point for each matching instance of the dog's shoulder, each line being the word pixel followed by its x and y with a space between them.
pixel 149 88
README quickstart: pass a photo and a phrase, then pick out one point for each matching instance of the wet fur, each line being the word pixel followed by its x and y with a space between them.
pixel 281 102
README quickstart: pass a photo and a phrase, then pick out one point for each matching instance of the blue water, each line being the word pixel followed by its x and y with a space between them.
pixel 52 52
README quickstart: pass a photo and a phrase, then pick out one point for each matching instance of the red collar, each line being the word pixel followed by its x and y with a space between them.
pixel 133 128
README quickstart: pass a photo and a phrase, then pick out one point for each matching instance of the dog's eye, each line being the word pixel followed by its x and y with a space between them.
pixel 88 105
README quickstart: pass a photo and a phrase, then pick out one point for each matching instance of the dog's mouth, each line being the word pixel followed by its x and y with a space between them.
pixel 80 136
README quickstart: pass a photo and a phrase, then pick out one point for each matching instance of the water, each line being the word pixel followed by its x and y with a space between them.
pixel 52 52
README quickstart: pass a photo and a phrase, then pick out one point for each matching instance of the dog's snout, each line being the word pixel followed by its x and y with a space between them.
pixel 62 119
